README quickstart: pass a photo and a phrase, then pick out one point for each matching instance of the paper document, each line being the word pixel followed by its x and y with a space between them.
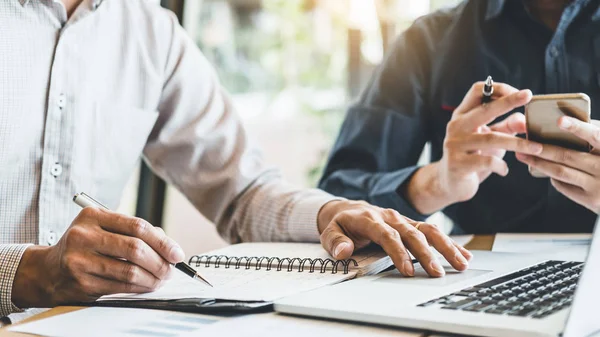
pixel 556 246
pixel 278 325
pixel 118 322
pixel 237 285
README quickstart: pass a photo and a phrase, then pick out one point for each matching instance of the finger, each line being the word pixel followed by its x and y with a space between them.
pixel 493 141
pixel 335 241
pixel 445 246
pixel 479 163
pixel 417 244
pixel 558 171
pixel 582 161
pixel 473 96
pixel 135 251
pixel 373 227
pixel 141 229
pixel 465 252
pixel 513 125
pixel 122 271
pixel 574 193
pixel 486 113
pixel 586 131
pixel 95 287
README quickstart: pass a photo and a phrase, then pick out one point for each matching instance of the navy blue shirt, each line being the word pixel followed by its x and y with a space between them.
pixel 429 69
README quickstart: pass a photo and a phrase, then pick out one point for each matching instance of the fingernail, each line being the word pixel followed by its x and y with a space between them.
pixel 339 248
pixel 177 253
pixel 436 266
pixel 461 259
pixel 536 147
pixel 565 123
pixel 409 268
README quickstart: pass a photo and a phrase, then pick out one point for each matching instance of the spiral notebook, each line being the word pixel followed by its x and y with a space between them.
pixel 263 272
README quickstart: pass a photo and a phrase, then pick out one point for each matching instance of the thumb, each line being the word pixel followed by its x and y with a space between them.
pixel 512 125
pixel 335 241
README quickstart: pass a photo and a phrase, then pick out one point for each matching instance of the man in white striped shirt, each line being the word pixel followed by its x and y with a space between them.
pixel 87 87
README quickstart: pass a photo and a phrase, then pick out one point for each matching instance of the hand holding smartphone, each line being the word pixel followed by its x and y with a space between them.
pixel 542 114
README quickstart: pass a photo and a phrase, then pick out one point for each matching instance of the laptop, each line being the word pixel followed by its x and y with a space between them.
pixel 502 294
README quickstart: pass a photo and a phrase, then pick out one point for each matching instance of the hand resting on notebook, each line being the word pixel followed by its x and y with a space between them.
pixel 349 225
pixel 89 261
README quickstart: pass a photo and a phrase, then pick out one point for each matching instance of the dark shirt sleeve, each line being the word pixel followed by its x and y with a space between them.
pixel 384 133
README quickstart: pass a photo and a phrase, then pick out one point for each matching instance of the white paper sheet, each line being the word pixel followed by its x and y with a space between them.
pixel 118 322
pixel 538 243
pixel 266 325
pixel 238 284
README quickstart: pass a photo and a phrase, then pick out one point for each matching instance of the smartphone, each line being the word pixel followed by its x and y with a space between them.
pixel 542 114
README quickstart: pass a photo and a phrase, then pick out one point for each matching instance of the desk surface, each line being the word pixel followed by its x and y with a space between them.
pixel 479 242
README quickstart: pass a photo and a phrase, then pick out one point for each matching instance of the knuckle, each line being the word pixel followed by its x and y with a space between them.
pixel 390 235
pixel 135 249
pixel 138 227
pixel 413 233
pixel 564 156
pixel 391 213
pixel 488 137
pixel 130 274
pixel 74 236
pixel 367 213
pixel 89 212
pixel 562 173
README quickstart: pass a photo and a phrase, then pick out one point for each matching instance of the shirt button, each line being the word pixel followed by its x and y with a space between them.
pixel 51 238
pixel 56 170
pixel 553 51
pixel 61 101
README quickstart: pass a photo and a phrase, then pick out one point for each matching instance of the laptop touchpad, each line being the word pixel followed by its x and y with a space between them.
pixel 421 277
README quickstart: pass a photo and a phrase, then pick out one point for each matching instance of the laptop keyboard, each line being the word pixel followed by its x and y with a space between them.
pixel 535 292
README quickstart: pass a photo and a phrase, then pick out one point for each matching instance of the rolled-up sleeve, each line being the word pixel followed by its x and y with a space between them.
pixel 200 146
pixel 10 257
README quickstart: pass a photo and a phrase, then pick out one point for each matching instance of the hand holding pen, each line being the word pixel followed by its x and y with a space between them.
pixel 84 200
pixel 473 148
pixel 101 253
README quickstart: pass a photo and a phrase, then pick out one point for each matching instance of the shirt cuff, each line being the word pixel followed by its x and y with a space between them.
pixel 303 226
pixel 10 257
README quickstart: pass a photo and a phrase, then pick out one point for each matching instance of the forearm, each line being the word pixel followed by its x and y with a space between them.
pixel 424 190
pixel 273 210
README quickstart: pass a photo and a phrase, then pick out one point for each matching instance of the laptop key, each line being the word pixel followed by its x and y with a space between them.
pixel 461 304
pixel 477 307
pixel 498 310
pixel 523 312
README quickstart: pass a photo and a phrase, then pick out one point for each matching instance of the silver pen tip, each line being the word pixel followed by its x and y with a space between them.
pixel 489 82
pixel 201 279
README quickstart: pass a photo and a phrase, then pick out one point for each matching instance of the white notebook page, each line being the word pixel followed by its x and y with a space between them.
pixel 238 285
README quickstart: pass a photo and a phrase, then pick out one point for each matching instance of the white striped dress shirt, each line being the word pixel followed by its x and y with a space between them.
pixel 83 98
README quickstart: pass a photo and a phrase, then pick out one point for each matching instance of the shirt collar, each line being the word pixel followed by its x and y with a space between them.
pixel 494 8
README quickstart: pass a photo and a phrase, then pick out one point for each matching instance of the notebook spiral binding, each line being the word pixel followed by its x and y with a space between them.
pixel 290 264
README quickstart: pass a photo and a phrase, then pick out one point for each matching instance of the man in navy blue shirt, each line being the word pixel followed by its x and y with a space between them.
pixel 475 177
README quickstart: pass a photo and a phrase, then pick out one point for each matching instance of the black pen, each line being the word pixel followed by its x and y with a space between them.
pixel 84 200
pixel 488 90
